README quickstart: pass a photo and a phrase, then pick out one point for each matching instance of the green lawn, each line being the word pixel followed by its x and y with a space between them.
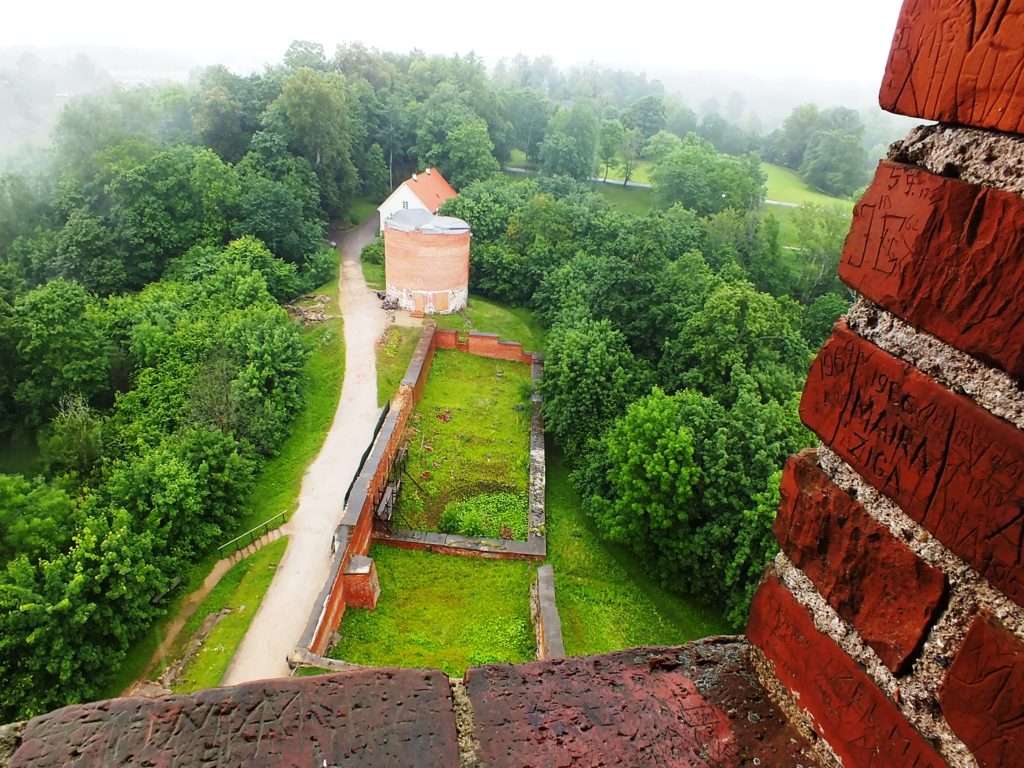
pixel 241 591
pixel 19 454
pixel 786 186
pixel 627 199
pixel 517 159
pixel 510 323
pixel 373 274
pixel 606 597
pixel 641 172
pixel 470 436
pixel 441 612
pixel 394 350
pixel 362 209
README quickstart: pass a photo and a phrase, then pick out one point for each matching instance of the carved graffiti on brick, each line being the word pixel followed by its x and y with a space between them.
pixel 949 464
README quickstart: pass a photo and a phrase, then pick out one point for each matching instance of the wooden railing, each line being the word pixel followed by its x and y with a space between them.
pixel 247 538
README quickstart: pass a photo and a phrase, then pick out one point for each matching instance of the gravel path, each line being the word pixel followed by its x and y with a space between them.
pixel 282 616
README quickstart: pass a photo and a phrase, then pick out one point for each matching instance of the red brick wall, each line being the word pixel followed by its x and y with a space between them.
pixel 434 264
pixel 892 621
pixel 483 345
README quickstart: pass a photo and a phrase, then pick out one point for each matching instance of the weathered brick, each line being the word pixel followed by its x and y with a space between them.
pixel 366 718
pixel 688 707
pixel 982 696
pixel 944 255
pixel 949 464
pixel 866 574
pixel 958 62
pixel 863 726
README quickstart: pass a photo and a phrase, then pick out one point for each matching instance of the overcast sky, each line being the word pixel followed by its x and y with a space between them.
pixel 815 39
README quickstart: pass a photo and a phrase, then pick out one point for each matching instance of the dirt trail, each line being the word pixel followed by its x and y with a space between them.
pixel 278 625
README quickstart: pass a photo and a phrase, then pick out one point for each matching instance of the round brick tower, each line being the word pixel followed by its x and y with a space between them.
pixel 426 262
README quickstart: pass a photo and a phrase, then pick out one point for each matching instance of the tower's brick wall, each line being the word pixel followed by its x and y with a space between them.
pixel 944 256
pixel 870 577
pixel 958 62
pixel 427 273
pixel 892 621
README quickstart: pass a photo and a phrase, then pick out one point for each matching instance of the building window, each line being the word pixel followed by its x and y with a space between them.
pixel 405 204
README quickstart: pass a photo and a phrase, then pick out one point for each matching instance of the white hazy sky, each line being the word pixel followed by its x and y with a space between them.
pixel 815 39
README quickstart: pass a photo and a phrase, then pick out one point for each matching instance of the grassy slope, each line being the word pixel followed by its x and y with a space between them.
pixel 441 612
pixel 606 598
pixel 394 351
pixel 472 435
pixel 641 172
pixel 277 486
pixel 241 590
pixel 786 186
pixel 510 323
pixel 362 209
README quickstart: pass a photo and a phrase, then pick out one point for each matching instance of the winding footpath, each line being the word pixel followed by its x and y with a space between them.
pixel 278 625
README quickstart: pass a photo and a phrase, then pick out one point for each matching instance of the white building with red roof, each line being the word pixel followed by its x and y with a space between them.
pixel 426 191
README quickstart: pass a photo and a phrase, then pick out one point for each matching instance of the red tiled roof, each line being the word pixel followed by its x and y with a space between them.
pixel 431 188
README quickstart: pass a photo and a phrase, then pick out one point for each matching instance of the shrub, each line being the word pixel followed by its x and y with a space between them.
pixel 374 252
pixel 488 515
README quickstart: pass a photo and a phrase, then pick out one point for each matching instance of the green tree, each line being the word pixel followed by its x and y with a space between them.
pixel 74 440
pixel 86 252
pixel 647 115
pixel 376 185
pixel 738 331
pixel 835 162
pixel 821 315
pixel 570 146
pixel 821 232
pixel 590 376
pixel 181 197
pixel 61 347
pixel 470 154
pixel 312 114
pixel 527 111
pixel 700 178
pixel 35 519
pixel 788 145
pixel 661 145
pixel 632 148
pixel 612 137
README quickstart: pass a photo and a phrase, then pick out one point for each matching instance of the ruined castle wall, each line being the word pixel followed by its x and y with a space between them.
pixel 892 622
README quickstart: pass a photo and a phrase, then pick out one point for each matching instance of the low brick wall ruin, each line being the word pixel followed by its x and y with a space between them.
pixel 547 624
pixel 358 586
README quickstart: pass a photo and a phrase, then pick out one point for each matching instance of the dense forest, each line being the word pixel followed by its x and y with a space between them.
pixel 143 342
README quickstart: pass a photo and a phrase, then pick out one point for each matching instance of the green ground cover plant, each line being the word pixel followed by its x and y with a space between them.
pixel 491 515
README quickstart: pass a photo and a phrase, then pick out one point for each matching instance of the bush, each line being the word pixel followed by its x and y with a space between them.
pixel 321 268
pixel 374 252
pixel 499 515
